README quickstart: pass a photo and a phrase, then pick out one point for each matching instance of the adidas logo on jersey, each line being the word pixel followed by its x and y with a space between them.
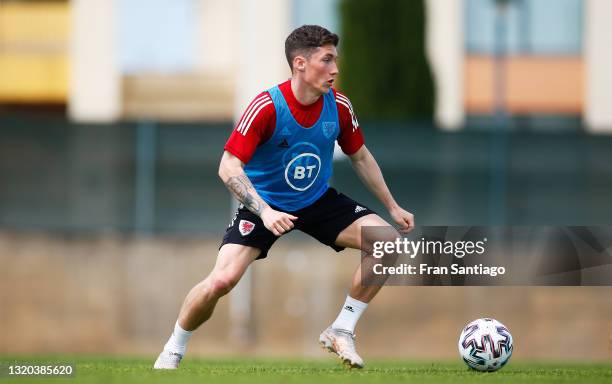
pixel 284 144
pixel 359 208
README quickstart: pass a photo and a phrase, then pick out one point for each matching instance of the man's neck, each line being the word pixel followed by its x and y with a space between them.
pixel 304 94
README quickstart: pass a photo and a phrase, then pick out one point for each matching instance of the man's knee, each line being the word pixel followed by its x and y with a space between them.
pixel 232 261
pixel 378 235
pixel 222 283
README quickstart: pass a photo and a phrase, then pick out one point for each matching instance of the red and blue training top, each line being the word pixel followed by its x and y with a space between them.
pixel 288 147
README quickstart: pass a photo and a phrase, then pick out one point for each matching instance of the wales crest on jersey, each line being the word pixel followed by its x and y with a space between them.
pixel 329 128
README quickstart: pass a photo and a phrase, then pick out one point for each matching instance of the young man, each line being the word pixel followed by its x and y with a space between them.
pixel 277 163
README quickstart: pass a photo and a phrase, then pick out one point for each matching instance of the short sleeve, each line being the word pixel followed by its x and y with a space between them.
pixel 351 137
pixel 255 127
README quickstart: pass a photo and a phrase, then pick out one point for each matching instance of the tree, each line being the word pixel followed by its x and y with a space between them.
pixel 384 69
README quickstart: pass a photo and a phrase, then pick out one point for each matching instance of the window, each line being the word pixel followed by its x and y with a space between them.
pixel 539 27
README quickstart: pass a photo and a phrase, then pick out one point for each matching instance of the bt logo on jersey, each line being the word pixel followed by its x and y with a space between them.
pixel 302 171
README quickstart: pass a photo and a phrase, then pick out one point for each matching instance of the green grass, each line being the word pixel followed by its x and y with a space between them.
pixel 138 370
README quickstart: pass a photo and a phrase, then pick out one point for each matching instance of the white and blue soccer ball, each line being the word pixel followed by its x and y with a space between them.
pixel 485 345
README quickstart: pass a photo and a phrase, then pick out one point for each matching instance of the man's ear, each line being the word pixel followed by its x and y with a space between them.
pixel 299 63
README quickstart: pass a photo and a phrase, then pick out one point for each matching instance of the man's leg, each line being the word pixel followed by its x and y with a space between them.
pixel 351 238
pixel 232 262
pixel 339 337
pixel 200 302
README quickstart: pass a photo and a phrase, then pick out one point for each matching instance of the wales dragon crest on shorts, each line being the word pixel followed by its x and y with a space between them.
pixel 245 227
pixel 295 175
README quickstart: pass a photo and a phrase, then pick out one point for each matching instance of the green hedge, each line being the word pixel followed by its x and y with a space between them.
pixel 383 68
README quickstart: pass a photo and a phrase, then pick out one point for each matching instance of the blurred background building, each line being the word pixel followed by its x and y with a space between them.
pixel 113 115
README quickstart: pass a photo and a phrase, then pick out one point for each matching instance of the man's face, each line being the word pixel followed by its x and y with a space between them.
pixel 321 69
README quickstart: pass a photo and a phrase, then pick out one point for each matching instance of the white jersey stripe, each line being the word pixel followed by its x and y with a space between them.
pixel 353 117
pixel 242 118
pixel 341 96
pixel 343 103
pixel 249 112
pixel 345 99
pixel 248 125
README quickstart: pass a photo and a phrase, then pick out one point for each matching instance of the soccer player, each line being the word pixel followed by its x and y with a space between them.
pixel 277 163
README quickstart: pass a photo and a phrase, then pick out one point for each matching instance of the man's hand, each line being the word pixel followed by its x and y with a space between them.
pixel 404 218
pixel 277 222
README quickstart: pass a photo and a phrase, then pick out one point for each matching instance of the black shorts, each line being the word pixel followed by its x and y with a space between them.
pixel 323 220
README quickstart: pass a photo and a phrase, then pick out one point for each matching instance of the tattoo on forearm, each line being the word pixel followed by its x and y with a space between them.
pixel 239 186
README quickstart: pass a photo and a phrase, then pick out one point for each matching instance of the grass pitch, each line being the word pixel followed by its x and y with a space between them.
pixel 138 370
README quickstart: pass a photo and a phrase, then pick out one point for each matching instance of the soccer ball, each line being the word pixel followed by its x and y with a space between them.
pixel 485 345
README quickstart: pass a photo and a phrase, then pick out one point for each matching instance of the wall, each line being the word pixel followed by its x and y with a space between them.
pixel 106 294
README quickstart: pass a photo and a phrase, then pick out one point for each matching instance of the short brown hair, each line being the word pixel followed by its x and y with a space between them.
pixel 306 38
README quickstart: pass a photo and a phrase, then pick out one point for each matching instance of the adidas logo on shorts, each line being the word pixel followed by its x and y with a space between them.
pixel 359 208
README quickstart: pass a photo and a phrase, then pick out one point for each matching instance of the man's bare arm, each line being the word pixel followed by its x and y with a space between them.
pixel 243 190
pixel 370 174
pixel 232 173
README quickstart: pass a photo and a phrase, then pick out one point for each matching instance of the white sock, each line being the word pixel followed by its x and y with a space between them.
pixel 349 314
pixel 178 340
